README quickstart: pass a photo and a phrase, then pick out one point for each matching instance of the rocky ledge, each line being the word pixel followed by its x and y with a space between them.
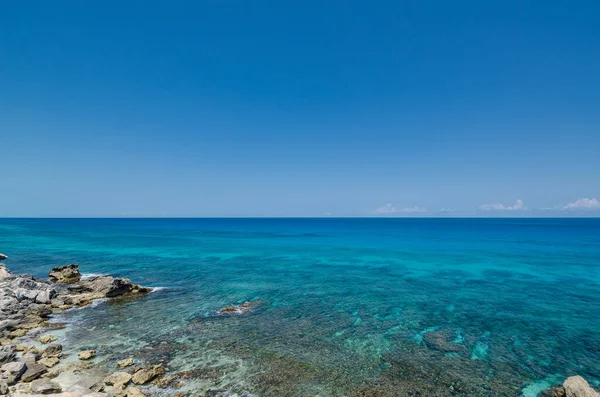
pixel 26 303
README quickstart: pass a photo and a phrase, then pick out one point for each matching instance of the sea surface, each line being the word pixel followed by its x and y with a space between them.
pixel 340 307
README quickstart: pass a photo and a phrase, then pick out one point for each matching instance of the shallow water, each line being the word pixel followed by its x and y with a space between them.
pixel 344 307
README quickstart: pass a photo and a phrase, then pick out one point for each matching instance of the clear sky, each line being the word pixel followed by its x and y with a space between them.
pixel 307 108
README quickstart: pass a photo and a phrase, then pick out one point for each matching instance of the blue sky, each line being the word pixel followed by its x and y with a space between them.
pixel 313 108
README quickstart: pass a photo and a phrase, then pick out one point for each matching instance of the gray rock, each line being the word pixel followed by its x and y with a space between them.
pixel 53 350
pixel 33 371
pixel 576 386
pixel 45 386
pixel 3 388
pixel 8 325
pixel 12 372
pixel 67 274
pixel 45 296
pixel 7 354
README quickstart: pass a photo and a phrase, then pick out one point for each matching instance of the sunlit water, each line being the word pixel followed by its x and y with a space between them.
pixel 343 306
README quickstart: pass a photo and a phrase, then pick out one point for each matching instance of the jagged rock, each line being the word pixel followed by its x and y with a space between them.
pixel 45 339
pixel 45 386
pixel 576 386
pixel 144 376
pixel 3 257
pixel 87 354
pixel 12 372
pixel 134 392
pixel 109 287
pixel 53 350
pixel 125 363
pixel 118 379
pixel 67 274
pixel 49 362
pixel 33 371
pixel 31 357
pixel 3 388
pixel 7 354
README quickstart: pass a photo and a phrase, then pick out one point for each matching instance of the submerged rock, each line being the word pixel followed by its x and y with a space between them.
pixel 442 340
pixel 134 392
pixel 125 363
pixel 87 354
pixel 67 274
pixel 576 386
pixel 239 309
pixel 554 391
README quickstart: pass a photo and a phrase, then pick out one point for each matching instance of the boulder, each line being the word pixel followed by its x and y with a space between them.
pixel 45 386
pixel 3 388
pixel 49 362
pixel 67 274
pixel 576 386
pixel 87 354
pixel 53 350
pixel 33 371
pixel 125 363
pixel 45 339
pixel 144 376
pixel 3 257
pixel 12 372
pixel 7 354
pixel 118 379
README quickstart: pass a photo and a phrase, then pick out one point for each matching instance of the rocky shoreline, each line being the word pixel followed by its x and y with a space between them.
pixel 32 362
pixel 30 367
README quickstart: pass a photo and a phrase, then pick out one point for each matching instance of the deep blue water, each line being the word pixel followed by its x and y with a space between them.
pixel 343 306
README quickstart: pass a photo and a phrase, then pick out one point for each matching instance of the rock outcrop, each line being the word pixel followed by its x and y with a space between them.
pixel 67 274
pixel 576 386
pixel 3 257
pixel 25 304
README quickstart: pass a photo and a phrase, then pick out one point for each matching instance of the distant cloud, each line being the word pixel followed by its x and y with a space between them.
pixel 386 209
pixel 518 205
pixel 413 210
pixel 389 208
pixel 448 210
pixel 582 204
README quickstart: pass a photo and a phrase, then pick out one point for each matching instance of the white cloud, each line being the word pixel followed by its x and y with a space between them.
pixel 389 208
pixel 412 210
pixel 386 209
pixel 518 205
pixel 583 204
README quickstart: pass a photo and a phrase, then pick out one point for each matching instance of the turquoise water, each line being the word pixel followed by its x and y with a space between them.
pixel 343 307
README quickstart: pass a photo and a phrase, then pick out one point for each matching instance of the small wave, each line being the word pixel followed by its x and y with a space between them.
pixel 156 289
pixel 86 276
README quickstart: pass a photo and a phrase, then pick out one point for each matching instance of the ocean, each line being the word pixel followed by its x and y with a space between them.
pixel 340 307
